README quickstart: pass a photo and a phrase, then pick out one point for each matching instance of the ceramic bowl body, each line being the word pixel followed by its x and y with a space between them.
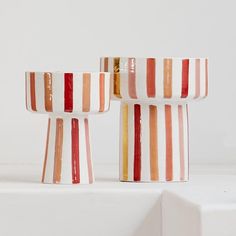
pixel 154 95
pixel 157 80
pixel 70 93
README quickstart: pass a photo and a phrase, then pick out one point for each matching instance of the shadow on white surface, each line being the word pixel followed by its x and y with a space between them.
pixel 20 174
pixel 152 223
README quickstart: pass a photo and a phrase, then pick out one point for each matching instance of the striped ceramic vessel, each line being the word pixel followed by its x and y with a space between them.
pixel 68 99
pixel 154 95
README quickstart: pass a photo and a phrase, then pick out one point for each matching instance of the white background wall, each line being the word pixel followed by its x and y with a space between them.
pixel 73 34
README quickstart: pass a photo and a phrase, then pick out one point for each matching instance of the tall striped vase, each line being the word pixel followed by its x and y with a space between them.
pixel 154 95
pixel 68 98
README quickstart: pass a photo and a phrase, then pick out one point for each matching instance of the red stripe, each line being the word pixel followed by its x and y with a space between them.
pixel 151 75
pixel 185 71
pixel 75 151
pixel 137 143
pixel 68 92
pixel 169 161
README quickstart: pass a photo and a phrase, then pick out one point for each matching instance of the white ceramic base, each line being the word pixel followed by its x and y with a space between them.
pixel 153 142
pixel 68 155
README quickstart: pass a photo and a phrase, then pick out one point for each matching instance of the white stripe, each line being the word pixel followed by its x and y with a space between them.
pixel 124 81
pixel 107 91
pixel 51 152
pixel 145 148
pixel 159 78
pixel 91 153
pixel 141 86
pixel 192 79
pixel 58 92
pixel 66 167
pixel 202 78
pixel 28 97
pixel 161 142
pixel 131 142
pixel 82 153
pixel 102 64
pixel 175 143
pixel 77 92
pixel 185 134
pixel 39 91
pixel 110 65
pixel 94 92
pixel 121 141
pixel 176 78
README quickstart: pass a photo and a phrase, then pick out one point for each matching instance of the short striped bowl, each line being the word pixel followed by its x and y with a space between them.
pixel 154 92
pixel 68 98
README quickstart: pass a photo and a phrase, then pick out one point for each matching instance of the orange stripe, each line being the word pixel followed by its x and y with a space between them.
pixel 169 161
pixel 151 76
pixel 58 151
pixel 153 142
pixel 167 78
pixel 86 92
pixel 132 77
pixel 102 91
pixel 181 141
pixel 116 70
pixel 32 91
pixel 46 151
pixel 197 78
pixel 206 76
pixel 75 157
pixel 48 91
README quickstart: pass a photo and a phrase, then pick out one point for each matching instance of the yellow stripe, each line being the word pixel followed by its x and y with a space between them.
pixel 125 142
pixel 116 70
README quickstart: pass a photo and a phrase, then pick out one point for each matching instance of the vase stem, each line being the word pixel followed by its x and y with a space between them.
pixel 67 156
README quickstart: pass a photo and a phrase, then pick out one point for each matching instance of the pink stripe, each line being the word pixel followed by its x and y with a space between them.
pixel 26 94
pixel 206 76
pixel 88 150
pixel 131 78
pixel 181 141
pixel 187 138
pixel 169 144
pixel 197 78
